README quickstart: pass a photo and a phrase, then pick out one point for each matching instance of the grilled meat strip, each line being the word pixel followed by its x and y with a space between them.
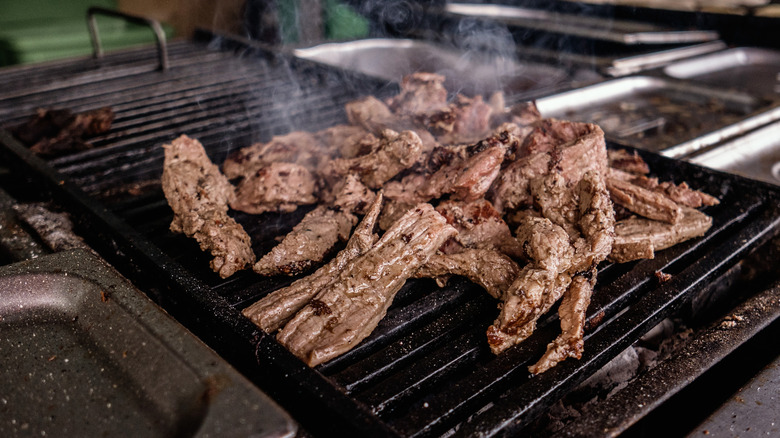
pixel 644 202
pixel 571 158
pixel 420 93
pixel 464 120
pixel 558 258
pixel 394 153
pixel 479 226
pixel 54 132
pixel 625 161
pixel 272 311
pixel 278 187
pixel 308 243
pixel 639 238
pixel 571 313
pixel 492 270
pixel 349 308
pixel 297 147
pixel 199 195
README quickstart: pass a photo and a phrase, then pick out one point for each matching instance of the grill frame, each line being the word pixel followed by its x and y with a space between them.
pixel 337 391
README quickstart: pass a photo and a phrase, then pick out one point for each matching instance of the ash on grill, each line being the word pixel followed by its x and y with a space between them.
pixel 484 166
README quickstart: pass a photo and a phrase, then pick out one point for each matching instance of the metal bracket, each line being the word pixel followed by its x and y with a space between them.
pixel 162 49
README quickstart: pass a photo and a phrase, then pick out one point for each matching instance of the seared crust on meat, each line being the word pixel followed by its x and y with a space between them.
pixel 199 195
pixel 272 311
pixel 347 310
pixel 278 187
pixel 492 270
pixel 308 243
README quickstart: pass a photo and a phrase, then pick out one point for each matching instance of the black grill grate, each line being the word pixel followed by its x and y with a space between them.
pixel 426 370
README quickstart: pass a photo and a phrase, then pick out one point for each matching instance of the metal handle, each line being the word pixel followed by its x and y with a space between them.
pixel 162 48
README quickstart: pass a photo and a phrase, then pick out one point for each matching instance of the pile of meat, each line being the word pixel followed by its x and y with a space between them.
pixel 421 185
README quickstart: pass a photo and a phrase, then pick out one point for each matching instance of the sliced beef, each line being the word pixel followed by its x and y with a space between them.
pixel 420 93
pixel 639 238
pixel 299 147
pixel 54 132
pixel 680 193
pixel 644 202
pixel 491 270
pixel 371 114
pixel 350 194
pixel 571 313
pixel 394 153
pixel 345 141
pixel 279 187
pixel 464 120
pixel 308 243
pixel 199 195
pixel 479 226
pixel 272 311
pixel 348 309
pixel 625 161
pixel 571 159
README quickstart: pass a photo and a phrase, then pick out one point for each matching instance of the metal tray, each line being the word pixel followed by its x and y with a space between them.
pixel 756 155
pixel 86 354
pixel 743 68
pixel 597 28
pixel 469 72
pixel 660 114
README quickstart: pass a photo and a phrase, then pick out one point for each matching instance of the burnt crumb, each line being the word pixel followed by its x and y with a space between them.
pixel 320 308
pixel 406 238
pixel 595 321
pixel 104 296
pixel 662 276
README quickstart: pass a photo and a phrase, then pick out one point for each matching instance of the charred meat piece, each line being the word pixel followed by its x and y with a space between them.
pixel 297 147
pixel 394 153
pixel 479 226
pixel 278 187
pixel 51 132
pixel 537 287
pixel 639 238
pixel 626 161
pixel 571 159
pixel 644 202
pixel 371 114
pixel 272 311
pixel 464 120
pixel 491 270
pixel 679 193
pixel 349 308
pixel 467 172
pixel 345 141
pixel 308 243
pixel 420 93
pixel 571 313
pixel 199 195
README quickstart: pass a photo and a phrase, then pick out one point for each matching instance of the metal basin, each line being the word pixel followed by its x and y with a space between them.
pixel 468 72
pixel 86 354
pixel 756 155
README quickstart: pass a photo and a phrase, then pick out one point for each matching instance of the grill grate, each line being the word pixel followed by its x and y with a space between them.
pixel 426 370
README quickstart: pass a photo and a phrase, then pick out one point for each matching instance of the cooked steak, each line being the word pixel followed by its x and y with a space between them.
pixel 52 132
pixel 626 161
pixel 297 147
pixel 350 194
pixel 394 153
pixel 308 243
pixel 275 309
pixel 371 114
pixel 276 186
pixel 638 238
pixel 420 93
pixel 643 202
pixel 479 226
pixel 492 270
pixel 199 195
pixel 571 159
pixel 464 120
pixel 345 141
pixel 349 308
pixel 679 193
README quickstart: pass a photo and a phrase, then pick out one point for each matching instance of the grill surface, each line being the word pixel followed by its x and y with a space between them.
pixel 426 370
